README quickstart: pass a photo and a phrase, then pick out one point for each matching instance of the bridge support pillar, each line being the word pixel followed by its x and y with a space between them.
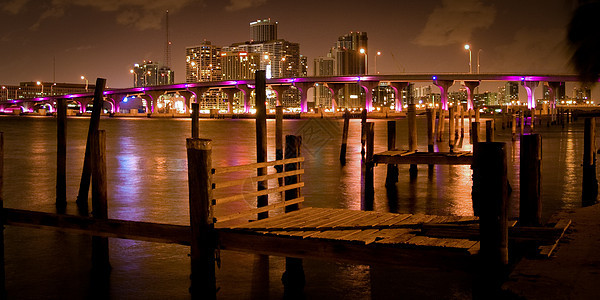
pixel 368 86
pixel 83 103
pixel 444 86
pixel 303 89
pixel 471 85
pixel 247 91
pixel 187 95
pixel 153 95
pixel 334 88
pixel 279 91
pixel 116 100
pixel 398 88
pixel 198 92
pixel 530 88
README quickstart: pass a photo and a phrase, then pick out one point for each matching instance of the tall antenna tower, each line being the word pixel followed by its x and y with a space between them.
pixel 167 44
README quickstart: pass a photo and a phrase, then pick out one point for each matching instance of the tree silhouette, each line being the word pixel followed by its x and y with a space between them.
pixel 584 37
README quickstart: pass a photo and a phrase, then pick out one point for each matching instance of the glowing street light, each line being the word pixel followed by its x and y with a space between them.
pixel 468 47
pixel 363 51
pixel 86 82
pixel 4 88
pixel 40 83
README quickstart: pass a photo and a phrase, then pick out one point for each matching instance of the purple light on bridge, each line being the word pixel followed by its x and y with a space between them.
pixel 434 78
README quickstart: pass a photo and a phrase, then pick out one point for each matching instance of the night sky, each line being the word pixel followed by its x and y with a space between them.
pixel 104 38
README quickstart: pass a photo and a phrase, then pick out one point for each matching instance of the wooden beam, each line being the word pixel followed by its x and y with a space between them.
pixel 135 230
pixel 437 158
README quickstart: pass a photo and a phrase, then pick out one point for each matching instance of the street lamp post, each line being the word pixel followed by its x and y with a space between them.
pixel 86 82
pixel 16 90
pixel 4 88
pixel 40 83
pixel 378 54
pixel 134 77
pixel 468 47
pixel 363 51
pixel 52 89
pixel 478 53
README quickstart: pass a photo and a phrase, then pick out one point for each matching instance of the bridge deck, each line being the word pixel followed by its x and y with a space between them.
pixel 434 158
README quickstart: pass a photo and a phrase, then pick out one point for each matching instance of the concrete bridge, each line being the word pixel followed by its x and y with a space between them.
pixel 399 82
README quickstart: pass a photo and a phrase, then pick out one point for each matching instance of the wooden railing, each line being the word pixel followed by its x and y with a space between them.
pixel 219 185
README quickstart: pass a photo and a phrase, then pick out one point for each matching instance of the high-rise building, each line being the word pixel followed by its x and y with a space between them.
pixel 263 30
pixel 560 93
pixel 280 58
pixel 324 66
pixel 511 92
pixel 239 65
pixel 150 73
pixel 203 63
pixel 582 94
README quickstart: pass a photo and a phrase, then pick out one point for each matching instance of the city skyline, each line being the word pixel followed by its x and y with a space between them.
pixel 98 40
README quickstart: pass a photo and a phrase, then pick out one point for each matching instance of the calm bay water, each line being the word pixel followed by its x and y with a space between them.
pixel 147 181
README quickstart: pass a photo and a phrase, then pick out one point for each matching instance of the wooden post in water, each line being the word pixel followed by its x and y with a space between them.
pixel 490 188
pixel 293 278
pixel 532 123
pixel 522 121
pixel 412 135
pixel 530 203
pixel 513 126
pixel 367 186
pixel 392 170
pixel 61 154
pixel 456 119
pixel 430 135
pixel 345 137
pixel 84 184
pixel 203 279
pixel 590 182
pixel 477 115
pixel 261 137
pixel 363 132
pixel 100 255
pixel 279 139
pixel 489 130
pixel 441 121
pixel 470 132
pixel 195 121
pixel 462 122
pixel 475 132
pixel 451 127
pixel 2 268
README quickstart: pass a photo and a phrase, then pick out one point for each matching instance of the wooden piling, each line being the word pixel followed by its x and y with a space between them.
pixel 522 121
pixel 2 267
pixel 367 185
pixel 363 132
pixel 345 137
pixel 489 130
pixel 412 135
pixel 441 123
pixel 470 122
pixel 589 194
pixel 490 188
pixel 530 203
pixel 100 255
pixel 475 132
pixel 392 170
pixel 477 113
pixel 261 137
pixel 203 279
pixel 456 119
pixel 513 126
pixel 430 135
pixel 293 278
pixel 61 154
pixel 279 139
pixel 84 184
pixel 451 128
pixel 462 122
pixel 195 121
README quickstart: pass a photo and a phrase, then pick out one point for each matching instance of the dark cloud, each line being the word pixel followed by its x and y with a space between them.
pixel 455 21
pixel 243 4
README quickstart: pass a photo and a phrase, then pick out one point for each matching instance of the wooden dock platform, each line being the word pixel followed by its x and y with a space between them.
pixel 416 158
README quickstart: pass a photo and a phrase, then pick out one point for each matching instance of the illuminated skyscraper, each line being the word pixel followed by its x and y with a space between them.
pixel 263 30
pixel 203 63
pixel 150 73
